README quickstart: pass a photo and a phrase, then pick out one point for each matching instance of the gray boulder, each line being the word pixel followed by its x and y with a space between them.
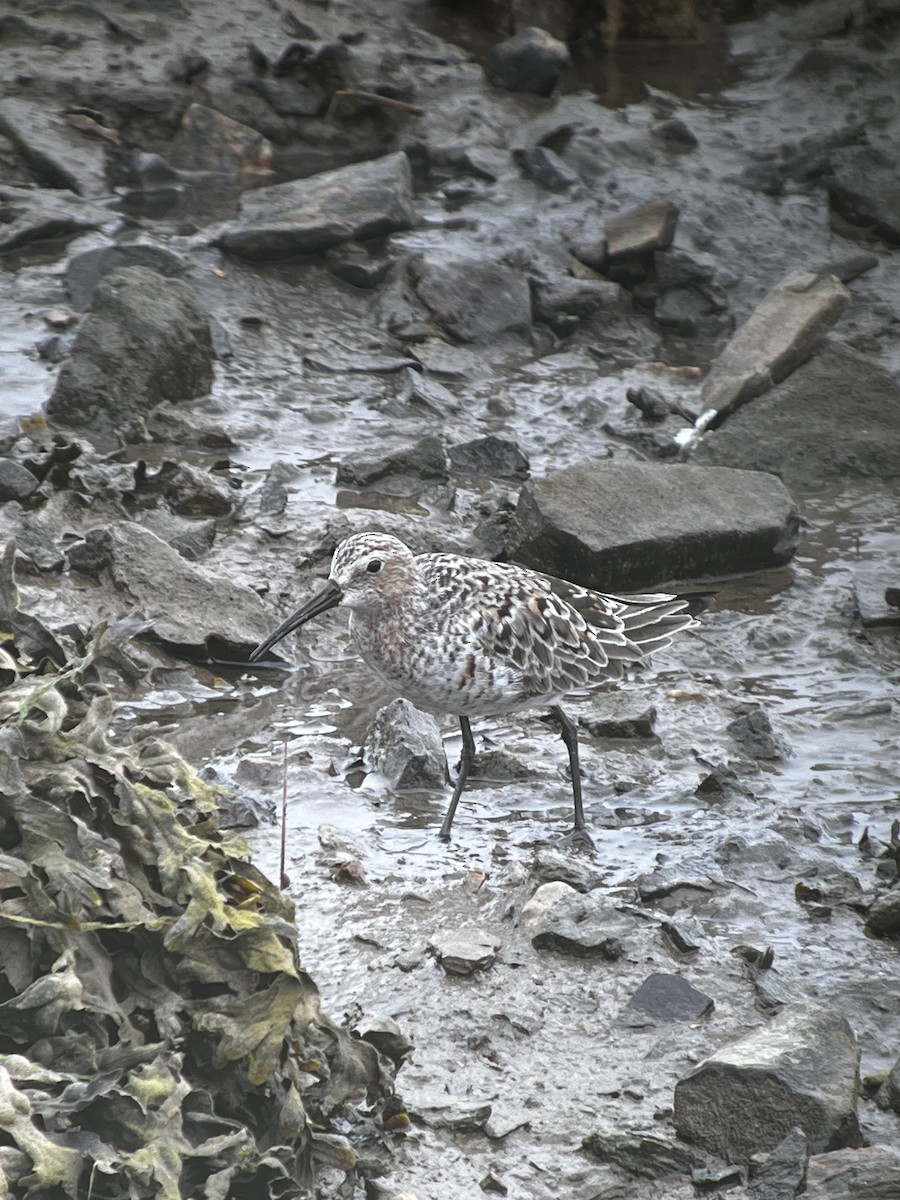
pixel 872 1173
pixel 530 61
pixel 800 1070
pixel 59 155
pixel 836 418
pixel 629 525
pixel 865 190
pixel 307 216
pixel 146 339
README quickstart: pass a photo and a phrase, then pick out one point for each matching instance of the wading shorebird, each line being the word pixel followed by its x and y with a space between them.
pixel 476 638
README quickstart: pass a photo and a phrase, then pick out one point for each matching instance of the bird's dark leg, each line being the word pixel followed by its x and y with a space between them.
pixel 465 762
pixel 569 732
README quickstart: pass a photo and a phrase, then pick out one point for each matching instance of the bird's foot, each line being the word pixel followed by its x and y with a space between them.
pixel 579 838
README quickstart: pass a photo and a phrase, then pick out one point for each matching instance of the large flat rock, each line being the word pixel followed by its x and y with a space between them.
pixel 628 525
pixel 781 333
pixel 59 155
pixel 307 216
pixel 836 418
pixel 802 1069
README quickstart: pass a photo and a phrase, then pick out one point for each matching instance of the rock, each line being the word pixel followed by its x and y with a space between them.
pixel 355 264
pixel 307 216
pixel 569 298
pixel 146 339
pixel 544 899
pixel 550 865
pixel 473 300
pixel 872 1173
pixel 642 1154
pixel 752 730
pixel 16 481
pixel 426 459
pixel 575 924
pixel 530 61
pixel 643 229
pixel 783 1174
pixel 59 155
pixel 800 1069
pixel 620 715
pixel 431 393
pixel 405 746
pixel 192 539
pixel 865 190
pixel 186 604
pixel 664 997
pixel 546 168
pixel 807 430
pixel 781 333
pixel 873 599
pixel 207 140
pixel 883 919
pixel 459 1116
pixel 676 135
pixel 464 951
pixel 84 271
pixel 30 216
pixel 628 525
pixel 498 458
pixel 693 873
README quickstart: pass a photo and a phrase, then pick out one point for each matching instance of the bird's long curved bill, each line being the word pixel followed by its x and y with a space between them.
pixel 329 596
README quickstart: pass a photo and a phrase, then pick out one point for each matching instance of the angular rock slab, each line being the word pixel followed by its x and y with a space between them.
pixel 464 951
pixel 559 918
pixel 869 1174
pixel 837 417
pixel 184 602
pixel 780 334
pixel 474 301
pixel 649 226
pixel 865 189
pixel 58 154
pixel 30 216
pixel 306 216
pixel 621 526
pixel 405 746
pixel 146 339
pixel 801 1069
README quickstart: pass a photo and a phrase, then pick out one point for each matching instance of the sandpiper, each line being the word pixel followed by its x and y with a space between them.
pixel 476 638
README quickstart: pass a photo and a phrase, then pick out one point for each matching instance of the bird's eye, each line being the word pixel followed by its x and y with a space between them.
pixel 374 565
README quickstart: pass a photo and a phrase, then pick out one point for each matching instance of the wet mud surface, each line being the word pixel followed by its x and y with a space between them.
pixel 755 840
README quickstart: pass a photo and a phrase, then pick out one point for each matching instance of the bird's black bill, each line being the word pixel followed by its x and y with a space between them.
pixel 329 596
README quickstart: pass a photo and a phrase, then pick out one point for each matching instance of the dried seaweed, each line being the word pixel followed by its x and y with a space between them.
pixel 158 1037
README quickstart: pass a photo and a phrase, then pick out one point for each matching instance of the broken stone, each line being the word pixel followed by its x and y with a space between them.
pixel 431 393
pixel 865 190
pixel 546 167
pixel 459 1116
pixel 783 1174
pixel 59 155
pixel 643 229
pixel 800 1069
pixel 464 951
pixel 405 746
pixel 871 1173
pixel 663 997
pixel 355 264
pixel 84 271
pixel 16 481
pixel 620 715
pixel 474 301
pixel 805 431
pixel 781 333
pixel 752 730
pixel 689 873
pixel 425 459
pixel 883 918
pixel 498 458
pixel 31 216
pixel 642 1154
pixel 550 865
pixel 384 1034
pixel 146 339
pixel 575 924
pixel 530 61
pixel 306 216
pixel 628 525
pixel 208 140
